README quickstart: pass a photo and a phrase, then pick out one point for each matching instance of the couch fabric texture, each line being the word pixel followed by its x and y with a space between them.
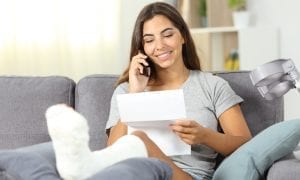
pixel 24 100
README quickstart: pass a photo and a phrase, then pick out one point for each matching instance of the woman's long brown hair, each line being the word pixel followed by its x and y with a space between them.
pixel 189 54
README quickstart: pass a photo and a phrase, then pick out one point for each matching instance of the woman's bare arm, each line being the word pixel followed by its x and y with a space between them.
pixel 233 123
pixel 235 128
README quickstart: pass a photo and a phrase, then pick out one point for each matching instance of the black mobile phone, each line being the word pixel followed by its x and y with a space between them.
pixel 146 69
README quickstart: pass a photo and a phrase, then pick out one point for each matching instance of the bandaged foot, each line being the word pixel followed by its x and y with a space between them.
pixel 74 159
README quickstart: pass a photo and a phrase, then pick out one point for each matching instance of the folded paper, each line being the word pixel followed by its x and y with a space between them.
pixel 153 112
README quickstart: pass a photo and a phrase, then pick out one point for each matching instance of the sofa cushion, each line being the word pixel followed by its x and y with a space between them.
pixel 92 100
pixel 23 102
pixel 259 112
pixel 287 169
pixel 30 162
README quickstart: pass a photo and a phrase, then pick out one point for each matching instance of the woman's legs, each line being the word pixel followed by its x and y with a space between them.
pixel 154 151
pixel 74 159
pixel 69 134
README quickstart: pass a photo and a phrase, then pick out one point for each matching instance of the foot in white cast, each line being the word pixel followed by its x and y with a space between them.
pixel 69 133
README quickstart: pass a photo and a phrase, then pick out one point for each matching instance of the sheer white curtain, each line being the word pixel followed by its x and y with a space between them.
pixel 59 37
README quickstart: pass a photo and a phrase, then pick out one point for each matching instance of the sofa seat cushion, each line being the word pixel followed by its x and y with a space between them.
pixel 23 102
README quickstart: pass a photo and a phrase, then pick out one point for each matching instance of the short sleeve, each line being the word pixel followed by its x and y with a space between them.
pixel 224 97
pixel 114 115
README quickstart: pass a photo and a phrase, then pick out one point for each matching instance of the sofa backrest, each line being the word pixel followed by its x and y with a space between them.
pixel 23 102
pixel 259 112
pixel 92 100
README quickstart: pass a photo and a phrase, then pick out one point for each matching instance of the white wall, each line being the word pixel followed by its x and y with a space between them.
pixel 41 38
pixel 283 14
pixel 65 42
pixel 128 15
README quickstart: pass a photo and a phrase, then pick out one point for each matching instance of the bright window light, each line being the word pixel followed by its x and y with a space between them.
pixel 61 37
pixel 78 21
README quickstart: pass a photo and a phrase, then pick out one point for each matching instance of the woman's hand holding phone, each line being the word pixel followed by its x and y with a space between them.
pixel 139 73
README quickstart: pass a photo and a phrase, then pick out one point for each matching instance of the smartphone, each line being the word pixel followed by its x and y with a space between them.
pixel 147 69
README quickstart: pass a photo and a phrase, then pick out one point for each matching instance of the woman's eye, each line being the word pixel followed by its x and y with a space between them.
pixel 168 35
pixel 148 40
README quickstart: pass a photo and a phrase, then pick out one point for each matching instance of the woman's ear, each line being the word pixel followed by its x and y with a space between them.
pixel 183 41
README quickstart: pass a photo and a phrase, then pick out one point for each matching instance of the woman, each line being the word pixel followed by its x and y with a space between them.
pixel 163 57
pixel 162 44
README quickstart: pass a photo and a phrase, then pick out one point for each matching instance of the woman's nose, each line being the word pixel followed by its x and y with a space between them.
pixel 159 44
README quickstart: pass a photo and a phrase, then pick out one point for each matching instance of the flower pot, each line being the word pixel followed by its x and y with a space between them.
pixel 241 19
pixel 203 21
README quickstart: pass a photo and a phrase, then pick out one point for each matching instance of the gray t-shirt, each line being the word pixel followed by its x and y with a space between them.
pixel 206 98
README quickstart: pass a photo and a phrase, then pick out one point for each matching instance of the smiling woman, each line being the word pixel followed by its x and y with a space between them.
pixel 60 37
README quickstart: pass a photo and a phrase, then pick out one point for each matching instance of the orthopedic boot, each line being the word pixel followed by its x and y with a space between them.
pixel 74 159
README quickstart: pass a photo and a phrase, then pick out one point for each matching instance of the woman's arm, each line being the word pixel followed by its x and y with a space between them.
pixel 236 132
pixel 117 131
pixel 232 121
pixel 137 83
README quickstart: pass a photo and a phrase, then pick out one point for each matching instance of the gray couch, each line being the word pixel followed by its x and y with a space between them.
pixel 23 101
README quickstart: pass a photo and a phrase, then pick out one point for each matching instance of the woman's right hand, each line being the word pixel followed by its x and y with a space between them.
pixel 137 81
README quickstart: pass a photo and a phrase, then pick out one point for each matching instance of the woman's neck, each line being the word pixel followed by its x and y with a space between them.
pixel 170 79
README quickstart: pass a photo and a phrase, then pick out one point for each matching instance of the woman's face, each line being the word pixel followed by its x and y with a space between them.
pixel 163 42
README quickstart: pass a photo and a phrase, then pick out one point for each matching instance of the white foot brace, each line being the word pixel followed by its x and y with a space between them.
pixel 74 159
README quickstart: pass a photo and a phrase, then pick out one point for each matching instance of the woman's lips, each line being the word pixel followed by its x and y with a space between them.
pixel 164 56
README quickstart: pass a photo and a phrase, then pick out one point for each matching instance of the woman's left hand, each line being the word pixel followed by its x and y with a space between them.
pixel 189 131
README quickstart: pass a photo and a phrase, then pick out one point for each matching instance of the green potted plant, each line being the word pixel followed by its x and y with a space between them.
pixel 237 5
pixel 203 13
pixel 239 13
